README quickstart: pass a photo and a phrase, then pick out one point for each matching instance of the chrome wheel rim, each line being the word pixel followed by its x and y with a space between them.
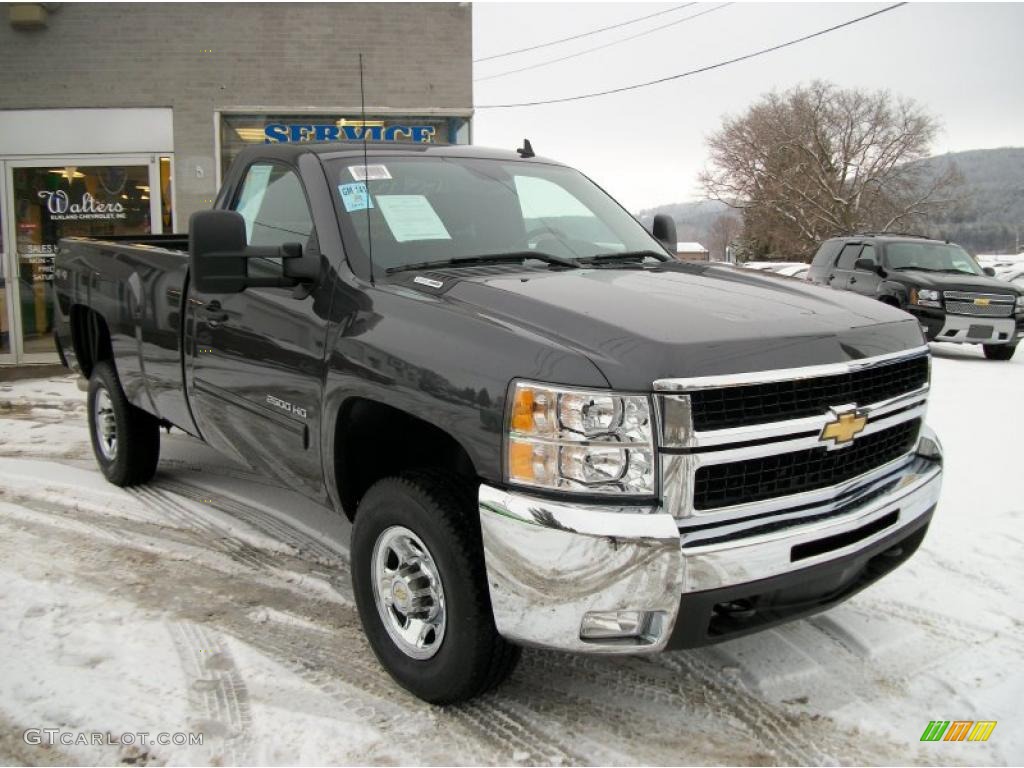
pixel 408 592
pixel 106 424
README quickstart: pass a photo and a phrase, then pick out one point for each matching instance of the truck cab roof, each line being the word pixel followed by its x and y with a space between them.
pixel 333 150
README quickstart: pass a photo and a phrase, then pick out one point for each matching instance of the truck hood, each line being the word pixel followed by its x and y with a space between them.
pixel 641 324
pixel 947 281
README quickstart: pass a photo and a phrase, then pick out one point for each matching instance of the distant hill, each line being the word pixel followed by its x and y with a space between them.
pixel 990 219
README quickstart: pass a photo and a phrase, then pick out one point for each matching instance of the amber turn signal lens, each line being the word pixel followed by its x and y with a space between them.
pixel 522 410
pixel 521 461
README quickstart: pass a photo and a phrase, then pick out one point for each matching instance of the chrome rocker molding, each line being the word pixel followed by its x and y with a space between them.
pixel 549 563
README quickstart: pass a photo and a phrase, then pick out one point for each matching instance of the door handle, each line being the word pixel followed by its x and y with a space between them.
pixel 853 280
pixel 214 313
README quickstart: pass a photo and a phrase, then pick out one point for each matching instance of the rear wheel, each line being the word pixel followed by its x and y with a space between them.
pixel 125 439
pixel 421 588
pixel 999 351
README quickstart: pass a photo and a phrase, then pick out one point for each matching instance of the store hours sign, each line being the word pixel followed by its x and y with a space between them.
pixel 62 207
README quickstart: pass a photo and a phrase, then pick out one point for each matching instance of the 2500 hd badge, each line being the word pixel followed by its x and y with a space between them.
pixel 544 429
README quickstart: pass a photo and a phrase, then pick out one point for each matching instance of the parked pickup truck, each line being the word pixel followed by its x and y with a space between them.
pixel 546 431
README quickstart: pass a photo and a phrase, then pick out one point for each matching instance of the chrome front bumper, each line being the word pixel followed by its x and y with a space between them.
pixel 550 563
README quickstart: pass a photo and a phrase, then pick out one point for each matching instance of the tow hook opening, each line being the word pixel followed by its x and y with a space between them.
pixel 739 610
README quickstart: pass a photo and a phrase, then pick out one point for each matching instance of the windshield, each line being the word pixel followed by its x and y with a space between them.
pixel 936 257
pixel 437 209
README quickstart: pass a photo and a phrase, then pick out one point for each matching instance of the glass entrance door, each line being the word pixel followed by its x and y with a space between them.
pixel 6 337
pixel 64 197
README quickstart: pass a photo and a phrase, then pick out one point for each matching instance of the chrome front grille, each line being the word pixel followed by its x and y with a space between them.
pixel 979 304
pixel 758 469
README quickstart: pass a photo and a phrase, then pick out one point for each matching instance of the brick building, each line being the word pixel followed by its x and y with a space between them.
pixel 120 118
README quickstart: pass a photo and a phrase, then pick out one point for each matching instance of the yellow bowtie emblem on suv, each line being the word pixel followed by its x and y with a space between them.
pixel 843 428
pixel 981 302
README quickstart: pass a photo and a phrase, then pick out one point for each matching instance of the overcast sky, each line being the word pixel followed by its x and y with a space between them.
pixel 964 62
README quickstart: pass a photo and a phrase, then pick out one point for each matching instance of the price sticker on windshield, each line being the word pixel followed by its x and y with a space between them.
pixel 355 196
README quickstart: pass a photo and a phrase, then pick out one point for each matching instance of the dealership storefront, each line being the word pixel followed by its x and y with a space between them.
pixel 97 143
pixel 78 172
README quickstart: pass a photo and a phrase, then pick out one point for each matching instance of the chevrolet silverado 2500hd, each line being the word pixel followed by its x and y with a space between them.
pixel 545 430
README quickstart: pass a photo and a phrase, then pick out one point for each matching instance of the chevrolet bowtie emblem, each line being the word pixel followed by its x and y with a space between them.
pixel 841 430
pixel 981 302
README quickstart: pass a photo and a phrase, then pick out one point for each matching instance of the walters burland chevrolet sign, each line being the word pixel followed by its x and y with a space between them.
pixel 61 208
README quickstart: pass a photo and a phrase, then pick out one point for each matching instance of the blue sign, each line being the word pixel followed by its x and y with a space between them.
pixel 277 133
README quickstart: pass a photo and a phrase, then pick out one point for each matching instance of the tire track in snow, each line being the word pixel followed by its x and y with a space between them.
pixel 267 523
pixel 220 539
pixel 216 690
pixel 780 735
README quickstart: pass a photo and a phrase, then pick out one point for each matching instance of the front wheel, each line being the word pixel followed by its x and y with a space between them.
pixel 999 351
pixel 421 588
pixel 125 439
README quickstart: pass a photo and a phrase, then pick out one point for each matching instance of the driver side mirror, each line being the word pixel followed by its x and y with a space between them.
pixel 990 271
pixel 869 265
pixel 218 252
pixel 664 230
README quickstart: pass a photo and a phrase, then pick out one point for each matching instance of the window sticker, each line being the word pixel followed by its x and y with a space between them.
pixel 369 172
pixel 412 217
pixel 355 196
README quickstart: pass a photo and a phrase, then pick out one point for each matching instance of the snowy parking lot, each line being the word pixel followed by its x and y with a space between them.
pixel 213 603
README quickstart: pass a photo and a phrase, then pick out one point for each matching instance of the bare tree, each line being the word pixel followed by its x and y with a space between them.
pixel 818 161
pixel 723 230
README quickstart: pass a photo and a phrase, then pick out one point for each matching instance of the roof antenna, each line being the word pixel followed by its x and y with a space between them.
pixel 526 150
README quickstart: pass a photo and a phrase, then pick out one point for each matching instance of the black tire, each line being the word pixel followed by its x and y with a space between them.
pixel 472 657
pixel 999 351
pixel 135 454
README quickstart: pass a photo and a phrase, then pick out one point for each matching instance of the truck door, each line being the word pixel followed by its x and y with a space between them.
pixel 865 281
pixel 839 276
pixel 258 356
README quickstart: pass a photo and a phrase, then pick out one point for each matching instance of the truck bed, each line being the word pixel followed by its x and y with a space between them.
pixel 138 285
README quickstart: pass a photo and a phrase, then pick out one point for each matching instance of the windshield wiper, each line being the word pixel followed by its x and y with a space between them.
pixel 605 258
pixel 919 269
pixel 513 257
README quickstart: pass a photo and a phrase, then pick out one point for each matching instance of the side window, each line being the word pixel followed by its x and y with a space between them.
pixel 869 253
pixel 274 207
pixel 848 256
pixel 826 254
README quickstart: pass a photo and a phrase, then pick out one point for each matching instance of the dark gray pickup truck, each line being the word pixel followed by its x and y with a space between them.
pixel 545 430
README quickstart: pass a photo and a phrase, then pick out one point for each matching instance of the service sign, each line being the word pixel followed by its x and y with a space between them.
pixel 279 133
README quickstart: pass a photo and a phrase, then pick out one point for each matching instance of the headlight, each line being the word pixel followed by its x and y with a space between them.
pixel 588 441
pixel 925 297
pixel 1020 303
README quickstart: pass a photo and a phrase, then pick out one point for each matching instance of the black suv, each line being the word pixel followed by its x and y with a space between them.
pixel 938 282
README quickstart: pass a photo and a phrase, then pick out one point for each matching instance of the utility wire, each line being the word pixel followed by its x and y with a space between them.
pixel 600 47
pixel 698 71
pixel 582 34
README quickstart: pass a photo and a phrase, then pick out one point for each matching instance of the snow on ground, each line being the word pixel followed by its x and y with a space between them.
pixel 213 602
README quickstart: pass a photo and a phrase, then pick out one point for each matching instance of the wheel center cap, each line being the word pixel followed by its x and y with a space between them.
pixel 401 595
